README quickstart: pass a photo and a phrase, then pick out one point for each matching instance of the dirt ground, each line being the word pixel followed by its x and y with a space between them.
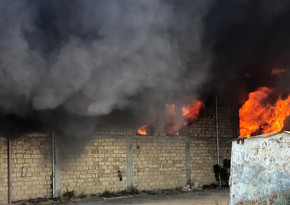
pixel 208 197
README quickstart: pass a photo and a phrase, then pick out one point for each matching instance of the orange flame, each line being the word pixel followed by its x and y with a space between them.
pixel 191 112
pixel 142 130
pixel 257 116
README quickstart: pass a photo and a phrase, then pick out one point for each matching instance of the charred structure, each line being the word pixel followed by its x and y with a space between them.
pixel 66 60
pixel 88 74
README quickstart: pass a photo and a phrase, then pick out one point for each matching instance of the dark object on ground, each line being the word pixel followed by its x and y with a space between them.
pixel 69 194
pixel 210 186
pixel 222 173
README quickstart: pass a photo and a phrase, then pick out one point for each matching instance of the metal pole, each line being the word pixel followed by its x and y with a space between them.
pixel 217 136
pixel 9 171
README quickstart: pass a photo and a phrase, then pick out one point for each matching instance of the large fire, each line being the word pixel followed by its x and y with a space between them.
pixel 258 116
pixel 174 121
pixel 191 112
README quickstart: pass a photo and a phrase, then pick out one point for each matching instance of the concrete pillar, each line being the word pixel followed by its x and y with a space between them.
pixel 56 181
pixel 129 164
pixel 187 161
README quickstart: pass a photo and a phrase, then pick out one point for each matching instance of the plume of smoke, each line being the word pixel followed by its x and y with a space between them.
pixel 92 57
pixel 248 38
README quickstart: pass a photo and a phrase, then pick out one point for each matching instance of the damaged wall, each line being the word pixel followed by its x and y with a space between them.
pixel 260 167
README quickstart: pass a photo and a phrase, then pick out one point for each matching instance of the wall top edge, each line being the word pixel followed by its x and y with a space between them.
pixel 265 136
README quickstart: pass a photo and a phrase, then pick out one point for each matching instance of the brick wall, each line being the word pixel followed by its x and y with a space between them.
pixel 203 156
pixel 31 167
pixel 155 163
pixel 3 171
pixel 158 162
pixel 96 168
pixel 228 123
pixel 203 149
pixel 144 162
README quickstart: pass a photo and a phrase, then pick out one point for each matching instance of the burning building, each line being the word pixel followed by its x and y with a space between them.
pixel 263 112
pixel 117 158
pixel 259 170
pixel 130 93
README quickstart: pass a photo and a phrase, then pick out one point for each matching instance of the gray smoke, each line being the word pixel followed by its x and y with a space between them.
pixel 71 63
pixel 92 57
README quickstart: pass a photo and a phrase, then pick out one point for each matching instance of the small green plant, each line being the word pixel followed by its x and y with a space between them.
pixel 93 195
pixel 134 191
pixel 122 193
pixel 83 195
pixel 179 189
pixel 108 194
pixel 69 194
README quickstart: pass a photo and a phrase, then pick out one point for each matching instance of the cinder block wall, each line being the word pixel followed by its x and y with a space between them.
pixel 228 120
pixel 118 159
pixel 203 138
pixel 3 171
pixel 203 157
pixel 154 163
pixel 158 162
pixel 203 154
pixel 31 167
pixel 96 168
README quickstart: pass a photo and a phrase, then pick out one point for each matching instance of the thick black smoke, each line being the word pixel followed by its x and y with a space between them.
pixel 247 39
pixel 63 59
pixel 73 63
